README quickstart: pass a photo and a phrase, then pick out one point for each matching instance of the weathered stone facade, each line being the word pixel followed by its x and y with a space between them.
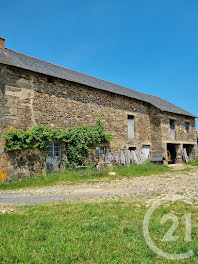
pixel 26 163
pixel 182 137
pixel 28 99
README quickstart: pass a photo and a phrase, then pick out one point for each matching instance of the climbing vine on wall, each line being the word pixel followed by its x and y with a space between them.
pixel 77 140
pixel 37 137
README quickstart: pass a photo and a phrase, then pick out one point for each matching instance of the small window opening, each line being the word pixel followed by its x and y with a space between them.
pixel 50 79
pixel 132 148
pixel 187 126
pixel 172 124
pixel 100 151
pixel 130 117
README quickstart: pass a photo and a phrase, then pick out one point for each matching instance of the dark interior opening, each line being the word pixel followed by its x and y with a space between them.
pixel 132 148
pixel 172 154
pixel 50 79
pixel 189 149
pixel 130 117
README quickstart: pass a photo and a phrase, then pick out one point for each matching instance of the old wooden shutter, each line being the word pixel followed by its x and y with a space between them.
pixel 131 127
pixel 146 151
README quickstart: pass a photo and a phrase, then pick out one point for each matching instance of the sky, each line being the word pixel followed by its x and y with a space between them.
pixel 146 45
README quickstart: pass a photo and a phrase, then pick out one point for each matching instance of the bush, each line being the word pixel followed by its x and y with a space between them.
pixel 77 140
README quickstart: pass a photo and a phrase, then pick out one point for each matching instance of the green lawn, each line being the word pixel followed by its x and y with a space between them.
pixel 193 162
pixel 109 232
pixel 74 176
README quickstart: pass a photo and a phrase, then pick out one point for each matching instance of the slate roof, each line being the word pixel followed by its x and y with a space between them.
pixel 13 58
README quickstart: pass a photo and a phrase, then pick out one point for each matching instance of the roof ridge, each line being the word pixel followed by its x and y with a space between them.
pixel 53 64
pixel 23 61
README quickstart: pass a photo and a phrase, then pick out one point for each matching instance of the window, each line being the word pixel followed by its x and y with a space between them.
pixel 172 124
pixel 132 148
pixel 187 126
pixel 50 79
pixel 53 158
pixel 172 129
pixel 54 150
pixel 100 151
pixel 131 127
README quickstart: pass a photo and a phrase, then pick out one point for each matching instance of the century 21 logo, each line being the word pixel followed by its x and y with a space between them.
pixel 168 237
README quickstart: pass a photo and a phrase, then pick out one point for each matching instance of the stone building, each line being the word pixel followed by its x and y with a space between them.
pixel 35 92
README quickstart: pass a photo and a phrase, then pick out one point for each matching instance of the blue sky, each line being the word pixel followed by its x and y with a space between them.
pixel 147 45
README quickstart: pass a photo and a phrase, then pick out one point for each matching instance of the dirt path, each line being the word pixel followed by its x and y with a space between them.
pixel 183 183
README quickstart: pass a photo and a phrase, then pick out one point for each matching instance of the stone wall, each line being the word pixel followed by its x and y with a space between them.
pixel 28 162
pixel 181 134
pixel 196 152
pixel 28 99
pixel 182 137
pixel 25 163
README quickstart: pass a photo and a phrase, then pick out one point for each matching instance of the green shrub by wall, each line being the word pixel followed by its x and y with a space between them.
pixel 77 140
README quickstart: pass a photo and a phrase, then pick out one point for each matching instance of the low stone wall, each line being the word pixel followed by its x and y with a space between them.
pixel 26 163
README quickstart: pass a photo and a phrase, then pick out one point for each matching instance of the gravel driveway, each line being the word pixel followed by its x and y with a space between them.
pixel 183 183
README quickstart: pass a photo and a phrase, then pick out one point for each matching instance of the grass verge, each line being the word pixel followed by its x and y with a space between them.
pixel 76 176
pixel 193 162
pixel 109 232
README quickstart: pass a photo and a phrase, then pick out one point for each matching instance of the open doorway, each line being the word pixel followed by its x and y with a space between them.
pixel 172 153
pixel 189 150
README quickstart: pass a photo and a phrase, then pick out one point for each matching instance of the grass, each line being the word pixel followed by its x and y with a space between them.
pixel 75 176
pixel 193 162
pixel 141 170
pixel 98 233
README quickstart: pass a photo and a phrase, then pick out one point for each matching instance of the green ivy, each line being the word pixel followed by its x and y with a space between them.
pixel 37 137
pixel 77 140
